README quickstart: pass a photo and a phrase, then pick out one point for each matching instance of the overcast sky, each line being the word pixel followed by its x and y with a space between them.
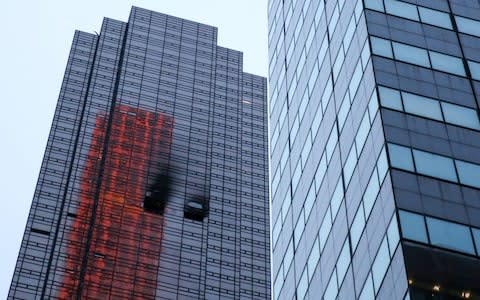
pixel 35 40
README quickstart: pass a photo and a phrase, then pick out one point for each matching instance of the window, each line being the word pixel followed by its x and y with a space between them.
pixel 474 69
pixel 380 265
pixel 476 238
pixel 435 17
pixel 434 165
pixel 332 288
pixel 321 169
pixel 401 9
pixel 325 229
pixel 374 4
pixel 422 106
pixel 413 227
pixel 390 98
pixel 350 165
pixel 447 63
pixel 411 54
pixel 393 235
pixel 302 285
pixel 313 259
pixel 343 262
pixel 450 235
pixel 400 157
pixel 468 26
pixel 357 227
pixel 367 291
pixel 336 198
pixel 296 176
pixel 298 231
pixel 309 201
pixel 460 115
pixel 468 173
pixel 381 47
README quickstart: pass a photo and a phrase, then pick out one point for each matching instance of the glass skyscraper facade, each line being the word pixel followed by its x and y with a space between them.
pixel 154 183
pixel 375 149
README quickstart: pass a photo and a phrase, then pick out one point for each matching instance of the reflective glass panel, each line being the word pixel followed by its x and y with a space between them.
pixel 435 17
pixel 450 235
pixel 411 54
pixel 390 98
pixel 400 157
pixel 413 227
pixel 381 47
pixel 447 63
pixel 468 25
pixel 468 173
pixel 422 106
pixel 434 165
pixel 401 9
pixel 460 115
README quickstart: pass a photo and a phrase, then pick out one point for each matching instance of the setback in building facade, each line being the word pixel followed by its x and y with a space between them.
pixel 154 183
pixel 375 149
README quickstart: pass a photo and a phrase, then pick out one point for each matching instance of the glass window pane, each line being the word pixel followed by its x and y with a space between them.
pixel 401 9
pixel 357 227
pixel 468 26
pixel 411 54
pixel 343 262
pixel 313 259
pixel 401 157
pixel 450 235
pixel 337 198
pixel 476 238
pixel 362 133
pixel 276 231
pixel 374 4
pixel 468 173
pixel 435 17
pixel 321 169
pixel 447 63
pixel 434 165
pixel 350 165
pixel 286 204
pixel 332 290
pixel 296 176
pixel 460 115
pixel 332 142
pixel 393 235
pixel 309 201
pixel 413 227
pixel 325 229
pixel 380 265
pixel 367 291
pixel 287 260
pixel 302 285
pixel 422 106
pixel 371 193
pixel 390 98
pixel 381 47
pixel 278 282
pixel 298 231
pixel 382 165
pixel 474 69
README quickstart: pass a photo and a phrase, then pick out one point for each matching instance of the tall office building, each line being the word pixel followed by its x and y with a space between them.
pixel 154 183
pixel 375 149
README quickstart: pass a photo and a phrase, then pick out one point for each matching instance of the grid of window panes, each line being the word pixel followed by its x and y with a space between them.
pixel 334 231
pixel 122 90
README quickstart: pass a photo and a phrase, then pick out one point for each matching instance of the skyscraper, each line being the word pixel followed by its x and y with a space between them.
pixel 375 151
pixel 154 183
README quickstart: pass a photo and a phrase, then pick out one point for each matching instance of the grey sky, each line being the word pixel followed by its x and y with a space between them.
pixel 35 41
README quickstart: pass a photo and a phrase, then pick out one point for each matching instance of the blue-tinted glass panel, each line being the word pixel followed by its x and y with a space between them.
pixel 381 47
pixel 434 165
pixel 447 63
pixel 313 259
pixel 357 227
pixel 336 198
pixel 302 285
pixel 374 4
pixel 422 106
pixel 450 235
pixel 367 291
pixel 476 238
pixel 468 25
pixel 411 54
pixel 401 157
pixel 343 262
pixel 370 194
pixel 390 98
pixel 401 9
pixel 380 265
pixel 468 173
pixel 435 17
pixel 474 69
pixel 393 234
pixel 460 115
pixel 325 229
pixel 350 165
pixel 332 289
pixel 413 227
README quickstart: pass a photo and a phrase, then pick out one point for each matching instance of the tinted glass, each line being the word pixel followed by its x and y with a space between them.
pixel 434 165
pixel 422 106
pixel 400 157
pixel 413 227
pixel 450 235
